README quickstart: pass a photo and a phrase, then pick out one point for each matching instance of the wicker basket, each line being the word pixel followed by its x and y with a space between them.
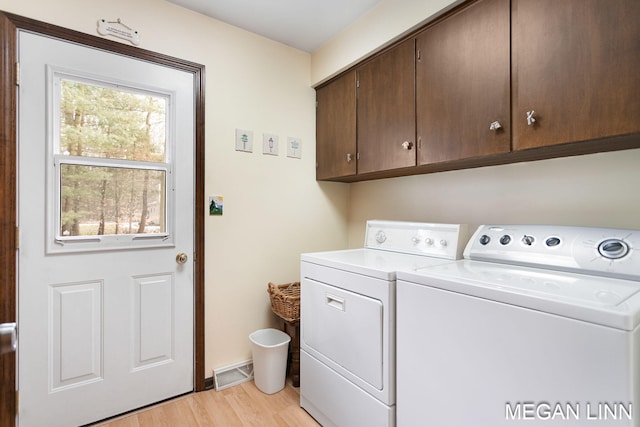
pixel 285 300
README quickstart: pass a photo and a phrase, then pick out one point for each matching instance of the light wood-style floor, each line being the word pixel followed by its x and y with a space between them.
pixel 240 405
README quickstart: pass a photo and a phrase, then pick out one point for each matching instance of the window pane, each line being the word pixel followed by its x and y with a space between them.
pixel 98 121
pixel 97 200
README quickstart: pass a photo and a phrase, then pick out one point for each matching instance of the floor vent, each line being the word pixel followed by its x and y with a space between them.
pixel 231 375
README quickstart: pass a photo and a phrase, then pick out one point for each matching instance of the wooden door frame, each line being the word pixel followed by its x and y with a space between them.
pixel 9 26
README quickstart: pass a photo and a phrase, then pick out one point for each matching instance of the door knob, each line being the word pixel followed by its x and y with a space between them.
pixel 181 258
pixel 8 338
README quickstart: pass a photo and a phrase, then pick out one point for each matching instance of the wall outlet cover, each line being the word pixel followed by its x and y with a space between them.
pixel 270 144
pixel 244 140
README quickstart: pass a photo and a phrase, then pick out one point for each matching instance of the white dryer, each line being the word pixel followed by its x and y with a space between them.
pixel 537 326
pixel 347 346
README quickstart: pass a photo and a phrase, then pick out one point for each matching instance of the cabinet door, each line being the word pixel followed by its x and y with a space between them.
pixel 462 84
pixel 577 65
pixel 386 110
pixel 336 128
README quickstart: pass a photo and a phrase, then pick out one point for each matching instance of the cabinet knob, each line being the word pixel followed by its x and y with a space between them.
pixel 530 119
pixel 495 125
pixel 407 145
pixel 349 157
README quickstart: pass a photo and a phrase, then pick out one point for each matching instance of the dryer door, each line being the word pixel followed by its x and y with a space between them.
pixel 344 330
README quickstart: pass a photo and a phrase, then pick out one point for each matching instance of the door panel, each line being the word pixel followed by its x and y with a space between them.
pixel 106 320
pixel 576 67
pixel 463 83
pixel 386 110
pixel 153 326
pixel 336 128
pixel 76 333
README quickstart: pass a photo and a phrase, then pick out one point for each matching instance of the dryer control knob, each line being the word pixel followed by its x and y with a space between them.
pixel 443 242
pixel 428 241
pixel 484 240
pixel 505 240
pixel 381 237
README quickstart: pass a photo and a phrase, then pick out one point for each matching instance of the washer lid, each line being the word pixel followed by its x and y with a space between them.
pixel 601 300
pixel 371 262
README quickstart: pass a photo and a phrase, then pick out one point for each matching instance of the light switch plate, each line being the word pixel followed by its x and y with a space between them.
pixel 294 147
pixel 270 144
pixel 244 140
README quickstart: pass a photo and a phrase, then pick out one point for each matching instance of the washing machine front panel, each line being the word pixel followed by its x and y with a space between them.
pixel 461 360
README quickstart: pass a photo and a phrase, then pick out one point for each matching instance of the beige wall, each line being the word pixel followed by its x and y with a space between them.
pixel 594 190
pixel 382 24
pixel 274 209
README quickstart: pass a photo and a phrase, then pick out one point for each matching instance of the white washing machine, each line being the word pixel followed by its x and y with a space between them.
pixel 537 326
pixel 347 345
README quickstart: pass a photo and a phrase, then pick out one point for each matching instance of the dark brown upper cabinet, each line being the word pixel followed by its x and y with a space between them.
pixel 386 110
pixel 576 70
pixel 492 82
pixel 336 128
pixel 463 84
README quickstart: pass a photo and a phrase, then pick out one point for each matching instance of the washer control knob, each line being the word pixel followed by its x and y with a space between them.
pixel 415 240
pixel 552 241
pixel 484 240
pixel 428 241
pixel 443 243
pixel 381 237
pixel 528 240
pixel 505 240
pixel 613 248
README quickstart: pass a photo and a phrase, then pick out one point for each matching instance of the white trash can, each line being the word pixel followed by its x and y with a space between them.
pixel 270 349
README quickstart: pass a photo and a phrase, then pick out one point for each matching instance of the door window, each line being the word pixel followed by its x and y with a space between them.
pixel 111 165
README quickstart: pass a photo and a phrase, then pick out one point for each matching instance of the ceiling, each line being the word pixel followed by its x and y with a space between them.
pixel 303 24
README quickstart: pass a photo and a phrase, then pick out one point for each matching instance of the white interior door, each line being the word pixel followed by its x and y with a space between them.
pixel 106 199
